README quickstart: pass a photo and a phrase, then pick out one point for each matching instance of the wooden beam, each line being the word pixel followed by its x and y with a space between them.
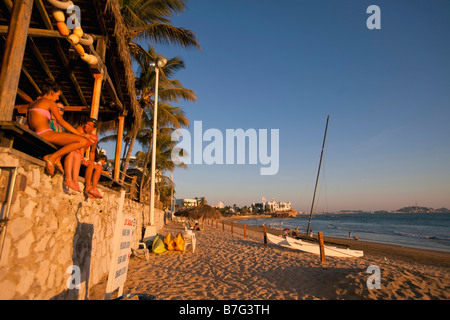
pixel 31 80
pixel 24 96
pixel 34 32
pixel 13 56
pixel 28 76
pixel 119 146
pixel 44 66
pixel 98 79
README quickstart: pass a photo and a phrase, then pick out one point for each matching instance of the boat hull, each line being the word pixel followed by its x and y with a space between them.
pixel 329 251
pixel 281 241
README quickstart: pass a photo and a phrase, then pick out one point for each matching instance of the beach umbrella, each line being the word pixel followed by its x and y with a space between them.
pixel 200 212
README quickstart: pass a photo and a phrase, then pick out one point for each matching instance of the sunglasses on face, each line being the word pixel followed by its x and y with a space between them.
pixel 61 109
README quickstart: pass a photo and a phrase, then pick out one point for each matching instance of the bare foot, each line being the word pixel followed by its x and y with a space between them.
pixel 72 185
pixel 88 193
pixel 49 166
pixel 95 193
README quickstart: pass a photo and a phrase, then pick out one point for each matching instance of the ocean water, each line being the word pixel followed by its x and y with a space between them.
pixel 416 230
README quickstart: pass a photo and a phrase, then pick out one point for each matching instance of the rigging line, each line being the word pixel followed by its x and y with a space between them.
pixel 324 181
pixel 317 179
pixel 322 189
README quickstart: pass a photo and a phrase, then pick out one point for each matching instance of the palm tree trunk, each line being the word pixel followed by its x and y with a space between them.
pixel 135 129
pixel 147 160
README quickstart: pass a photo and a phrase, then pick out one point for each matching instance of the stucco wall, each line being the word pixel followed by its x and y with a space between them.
pixel 49 231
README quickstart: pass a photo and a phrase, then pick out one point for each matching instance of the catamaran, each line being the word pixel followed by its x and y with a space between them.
pixel 312 247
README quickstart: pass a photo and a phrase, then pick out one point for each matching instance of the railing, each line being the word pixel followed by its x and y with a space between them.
pixel 132 187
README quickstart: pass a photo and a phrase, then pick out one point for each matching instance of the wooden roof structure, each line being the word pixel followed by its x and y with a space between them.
pixel 105 90
pixel 48 55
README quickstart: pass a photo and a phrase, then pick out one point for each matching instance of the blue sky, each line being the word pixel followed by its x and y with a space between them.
pixel 288 64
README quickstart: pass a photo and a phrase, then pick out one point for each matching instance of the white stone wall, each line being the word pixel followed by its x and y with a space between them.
pixel 48 231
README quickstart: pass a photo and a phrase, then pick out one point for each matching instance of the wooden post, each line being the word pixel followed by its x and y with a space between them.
pixel 13 56
pixel 245 231
pixel 322 247
pixel 119 145
pixel 232 223
pixel 98 79
pixel 265 236
pixel 133 187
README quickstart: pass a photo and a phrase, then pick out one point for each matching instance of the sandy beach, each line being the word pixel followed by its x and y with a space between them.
pixel 226 266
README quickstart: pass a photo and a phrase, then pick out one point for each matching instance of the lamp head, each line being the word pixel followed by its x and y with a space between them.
pixel 161 62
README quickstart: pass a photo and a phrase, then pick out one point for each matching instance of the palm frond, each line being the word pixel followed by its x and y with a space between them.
pixel 167 34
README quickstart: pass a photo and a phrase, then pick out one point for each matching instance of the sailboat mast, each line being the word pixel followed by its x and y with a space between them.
pixel 317 179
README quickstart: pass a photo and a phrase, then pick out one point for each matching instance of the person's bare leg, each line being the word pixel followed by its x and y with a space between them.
pixel 59 166
pixel 69 180
pixel 68 141
pixel 88 175
pixel 68 164
pixel 77 159
pixel 95 178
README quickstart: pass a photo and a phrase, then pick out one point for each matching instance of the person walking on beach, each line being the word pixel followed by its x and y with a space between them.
pixel 40 113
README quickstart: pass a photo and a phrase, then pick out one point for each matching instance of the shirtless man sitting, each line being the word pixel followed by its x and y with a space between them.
pixel 75 159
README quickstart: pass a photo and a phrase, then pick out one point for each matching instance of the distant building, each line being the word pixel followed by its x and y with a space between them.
pixel 271 206
pixel 186 203
pixel 284 205
pixel 221 205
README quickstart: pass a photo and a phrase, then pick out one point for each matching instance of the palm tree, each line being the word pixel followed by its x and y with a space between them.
pixel 149 20
pixel 169 117
pixel 169 91
pixel 163 163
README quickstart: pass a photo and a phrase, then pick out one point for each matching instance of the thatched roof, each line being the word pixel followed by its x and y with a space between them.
pixel 200 212
pixel 49 56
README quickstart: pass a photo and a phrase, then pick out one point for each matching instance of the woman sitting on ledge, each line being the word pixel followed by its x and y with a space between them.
pixel 39 115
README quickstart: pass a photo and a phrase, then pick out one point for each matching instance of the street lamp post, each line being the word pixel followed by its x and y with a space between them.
pixel 159 63
pixel 172 204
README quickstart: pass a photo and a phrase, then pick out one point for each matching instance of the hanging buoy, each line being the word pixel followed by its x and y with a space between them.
pixel 86 57
pixel 93 61
pixel 90 59
pixel 58 15
pixel 74 39
pixel 61 4
pixel 80 50
pixel 78 32
pixel 62 28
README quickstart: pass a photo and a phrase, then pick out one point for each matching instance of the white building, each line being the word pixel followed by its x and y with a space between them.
pixel 221 205
pixel 278 206
pixel 284 205
pixel 186 203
